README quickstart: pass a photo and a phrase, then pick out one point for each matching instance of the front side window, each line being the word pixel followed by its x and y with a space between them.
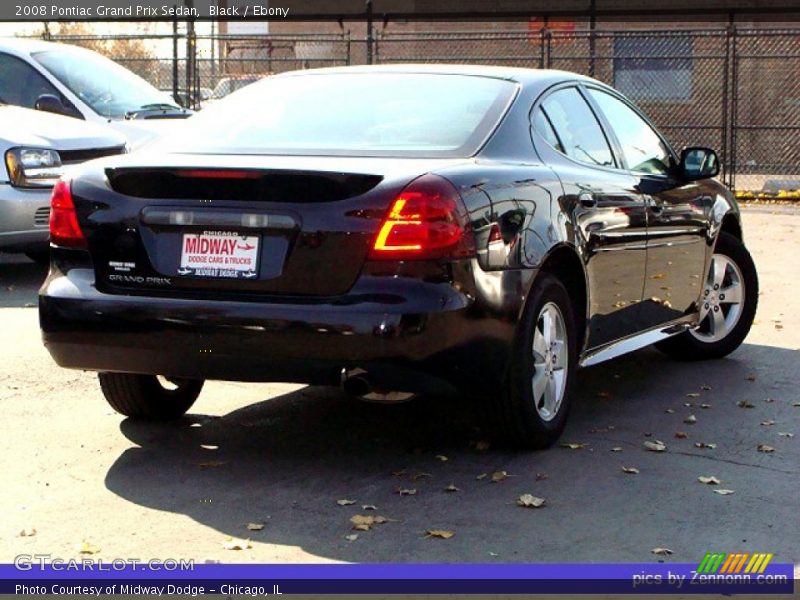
pixel 21 84
pixel 577 129
pixel 108 88
pixel 643 149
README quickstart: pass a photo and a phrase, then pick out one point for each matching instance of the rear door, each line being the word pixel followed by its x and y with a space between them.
pixel 677 231
pixel 608 213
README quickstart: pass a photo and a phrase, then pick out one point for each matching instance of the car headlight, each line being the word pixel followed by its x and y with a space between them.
pixel 33 167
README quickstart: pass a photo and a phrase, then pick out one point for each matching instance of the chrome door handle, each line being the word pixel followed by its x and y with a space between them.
pixel 587 200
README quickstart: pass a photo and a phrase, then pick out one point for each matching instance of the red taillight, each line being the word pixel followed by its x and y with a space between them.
pixel 64 228
pixel 427 220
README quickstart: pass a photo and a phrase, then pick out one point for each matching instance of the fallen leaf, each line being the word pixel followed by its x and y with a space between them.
pixel 745 404
pixel 630 470
pixel 365 522
pixel 399 473
pixel 767 423
pixel 234 544
pixel 452 488
pixel 723 492
pixel 541 476
pixel 421 475
pixel 669 411
pixel 439 533
pixel 766 449
pixel 658 276
pixel 661 551
pixel 751 377
pixel 441 457
pixel 706 406
pixel 704 445
pixel 617 449
pixel 352 537
pixel 482 445
pixel 656 446
pixel 708 479
pixel 87 548
pixel 796 404
pixel 769 400
pixel 368 507
pixel 211 464
pixel 407 491
pixel 482 476
pixel 530 501
pixel 705 387
pixel 690 420
pixel 345 502
pixel 785 434
pixel 27 532
pixel 573 445
pixel 693 395
pixel 499 476
pixel 688 404
pixel 255 526
pixel 681 435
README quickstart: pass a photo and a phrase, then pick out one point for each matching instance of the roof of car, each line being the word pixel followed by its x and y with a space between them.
pixel 20 46
pixel 518 74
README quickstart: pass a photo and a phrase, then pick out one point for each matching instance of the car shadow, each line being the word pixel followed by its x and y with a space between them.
pixel 287 460
pixel 20 279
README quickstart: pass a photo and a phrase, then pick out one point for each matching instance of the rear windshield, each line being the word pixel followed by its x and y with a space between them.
pixel 352 114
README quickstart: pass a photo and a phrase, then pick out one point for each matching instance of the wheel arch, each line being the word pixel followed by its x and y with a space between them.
pixel 564 262
pixel 731 225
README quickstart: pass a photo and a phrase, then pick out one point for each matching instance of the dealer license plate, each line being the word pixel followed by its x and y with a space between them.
pixel 219 254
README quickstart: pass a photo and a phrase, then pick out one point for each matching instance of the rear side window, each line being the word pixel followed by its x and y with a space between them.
pixel 578 131
pixel 353 114
pixel 543 126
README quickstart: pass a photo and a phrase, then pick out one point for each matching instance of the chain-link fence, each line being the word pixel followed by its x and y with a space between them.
pixel 734 89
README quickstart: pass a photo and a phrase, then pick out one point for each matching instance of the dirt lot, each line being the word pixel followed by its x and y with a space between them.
pixel 283 455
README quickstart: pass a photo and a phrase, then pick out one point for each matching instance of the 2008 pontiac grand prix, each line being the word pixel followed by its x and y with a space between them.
pixel 396 230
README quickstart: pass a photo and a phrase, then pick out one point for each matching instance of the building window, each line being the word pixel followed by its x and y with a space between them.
pixel 654 69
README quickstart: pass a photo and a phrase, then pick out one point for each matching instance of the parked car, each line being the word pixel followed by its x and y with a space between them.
pixel 407 229
pixel 228 85
pixel 37 149
pixel 77 82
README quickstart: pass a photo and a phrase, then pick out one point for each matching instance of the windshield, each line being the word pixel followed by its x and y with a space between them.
pixel 355 114
pixel 109 89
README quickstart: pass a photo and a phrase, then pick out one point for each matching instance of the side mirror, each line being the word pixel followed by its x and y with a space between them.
pixel 52 104
pixel 698 163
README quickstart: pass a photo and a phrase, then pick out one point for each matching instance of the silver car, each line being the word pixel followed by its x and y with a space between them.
pixel 77 82
pixel 37 148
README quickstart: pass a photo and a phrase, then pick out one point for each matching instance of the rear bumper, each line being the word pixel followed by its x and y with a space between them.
pixel 439 338
pixel 24 218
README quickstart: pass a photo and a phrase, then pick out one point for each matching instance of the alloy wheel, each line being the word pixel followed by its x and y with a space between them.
pixel 721 302
pixel 550 358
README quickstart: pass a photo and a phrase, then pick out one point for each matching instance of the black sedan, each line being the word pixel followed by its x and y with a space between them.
pixel 396 230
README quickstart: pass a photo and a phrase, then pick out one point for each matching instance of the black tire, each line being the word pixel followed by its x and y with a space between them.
pixel 40 257
pixel 687 346
pixel 513 412
pixel 144 397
